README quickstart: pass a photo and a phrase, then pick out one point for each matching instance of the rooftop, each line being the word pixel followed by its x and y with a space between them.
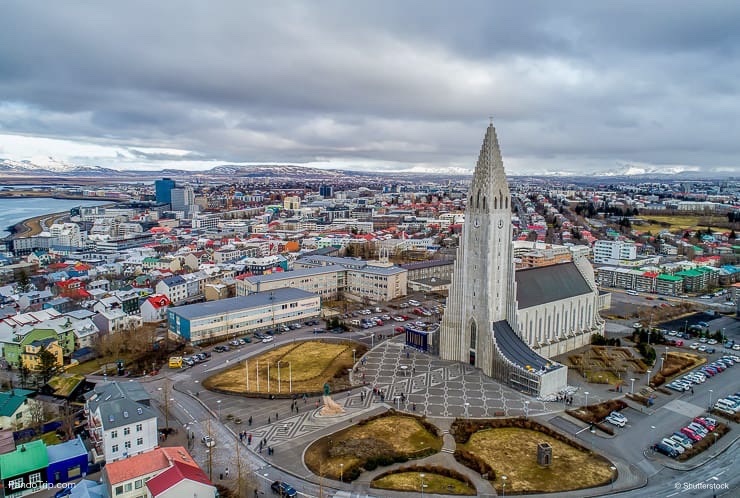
pixel 545 284
pixel 200 310
pixel 514 349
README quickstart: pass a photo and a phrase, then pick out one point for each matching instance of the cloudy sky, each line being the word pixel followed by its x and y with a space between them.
pixel 397 85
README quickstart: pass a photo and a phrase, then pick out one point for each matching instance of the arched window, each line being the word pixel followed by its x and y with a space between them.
pixel 495 203
pixel 507 202
pixel 484 202
pixel 473 335
pixel 477 201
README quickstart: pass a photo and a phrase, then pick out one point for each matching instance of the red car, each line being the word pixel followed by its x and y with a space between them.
pixel 691 434
pixel 705 423
pixel 399 330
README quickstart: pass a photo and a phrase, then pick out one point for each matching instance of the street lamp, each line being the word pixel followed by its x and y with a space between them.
pixel 354 358
pixel 503 485
pixel 218 404
pixel 710 398
pixel 466 404
pixel 648 378
pixel 632 386
pixel 613 469
pixel 341 472
pixel 586 393
pixel 422 484
pixel 279 382
pixel 526 409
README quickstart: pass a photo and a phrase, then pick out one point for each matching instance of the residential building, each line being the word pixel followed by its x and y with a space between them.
pixel 67 461
pixel 121 422
pixel 31 357
pixel 175 288
pixel 611 252
pixel 171 472
pixel 15 409
pixel 237 316
pixel 24 469
pixel 154 308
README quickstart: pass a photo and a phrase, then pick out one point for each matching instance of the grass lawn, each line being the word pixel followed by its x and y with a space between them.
pixel 602 377
pixel 433 483
pixel 513 452
pixel 656 223
pixel 310 364
pixel 50 438
pixel 94 365
pixel 394 434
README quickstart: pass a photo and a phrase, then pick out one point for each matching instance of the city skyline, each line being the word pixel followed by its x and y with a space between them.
pixel 576 87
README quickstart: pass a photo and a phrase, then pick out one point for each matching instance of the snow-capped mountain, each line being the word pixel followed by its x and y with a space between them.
pixel 49 165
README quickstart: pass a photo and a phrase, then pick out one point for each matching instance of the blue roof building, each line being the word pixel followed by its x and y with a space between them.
pixel 67 461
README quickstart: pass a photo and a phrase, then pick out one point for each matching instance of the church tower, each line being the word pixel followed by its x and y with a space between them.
pixel 482 289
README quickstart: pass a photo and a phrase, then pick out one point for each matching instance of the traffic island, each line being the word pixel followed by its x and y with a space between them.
pixel 427 478
pixel 291 369
pixel 384 439
pixel 512 450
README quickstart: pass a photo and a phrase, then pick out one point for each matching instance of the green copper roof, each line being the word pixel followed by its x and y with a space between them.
pixel 27 457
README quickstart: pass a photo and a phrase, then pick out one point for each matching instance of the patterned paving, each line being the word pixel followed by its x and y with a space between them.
pixel 439 388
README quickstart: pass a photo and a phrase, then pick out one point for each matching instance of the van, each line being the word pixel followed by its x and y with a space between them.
pixel 175 362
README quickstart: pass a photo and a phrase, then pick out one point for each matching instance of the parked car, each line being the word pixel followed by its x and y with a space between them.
pixel 665 449
pixel 682 440
pixel 615 421
pixel 208 441
pixel 268 339
pixel 413 302
pixel 399 330
pixel 283 489
pixel 708 424
pixel 670 442
pixel 618 416
pixel 690 434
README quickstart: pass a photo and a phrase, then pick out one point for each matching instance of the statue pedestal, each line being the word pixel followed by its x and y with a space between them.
pixel 331 408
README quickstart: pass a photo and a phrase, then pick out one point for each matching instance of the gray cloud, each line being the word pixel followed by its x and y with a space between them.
pixel 570 84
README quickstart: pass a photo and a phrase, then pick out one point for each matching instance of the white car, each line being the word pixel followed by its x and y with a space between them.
pixel 269 338
pixel 208 441
pixel 712 341
pixel 617 415
pixel 683 441
pixel 616 421
pixel 414 303
pixel 673 445
pixel 695 345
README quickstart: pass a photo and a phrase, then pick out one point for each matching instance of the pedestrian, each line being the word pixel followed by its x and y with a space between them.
pixel 692 390
pixel 250 420
pixel 227 472
pixel 269 421
pixel 413 406
pixel 256 493
pixel 249 440
pixel 221 477
pixel 276 416
pixel 296 409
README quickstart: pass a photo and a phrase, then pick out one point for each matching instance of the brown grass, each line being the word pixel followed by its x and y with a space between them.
pixel 311 364
pixel 513 452
pixel 384 436
pixel 434 483
pixel 675 365
pixel 597 412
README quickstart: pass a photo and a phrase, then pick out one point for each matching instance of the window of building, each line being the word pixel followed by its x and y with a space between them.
pixel 114 448
pixel 74 472
pixel 140 441
pixel 114 434
pixel 126 431
pixel 129 486
pixel 34 478
pixel 127 444
pixel 138 484
pixel 119 490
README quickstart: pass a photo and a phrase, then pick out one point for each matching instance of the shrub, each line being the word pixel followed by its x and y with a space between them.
pixel 471 461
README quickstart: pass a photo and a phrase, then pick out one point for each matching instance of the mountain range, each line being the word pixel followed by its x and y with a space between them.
pixel 50 167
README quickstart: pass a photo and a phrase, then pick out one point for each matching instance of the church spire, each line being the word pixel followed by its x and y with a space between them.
pixel 489 171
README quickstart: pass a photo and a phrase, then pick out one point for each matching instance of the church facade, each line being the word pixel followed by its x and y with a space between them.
pixel 506 322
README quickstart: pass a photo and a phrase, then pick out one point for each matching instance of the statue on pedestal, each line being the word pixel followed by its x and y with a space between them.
pixel 330 407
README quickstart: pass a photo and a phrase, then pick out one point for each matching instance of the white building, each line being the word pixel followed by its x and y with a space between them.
pixel 120 421
pixel 611 252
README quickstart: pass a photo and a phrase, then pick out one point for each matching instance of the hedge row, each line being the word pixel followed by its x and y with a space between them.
pixel 472 462
pixel 705 443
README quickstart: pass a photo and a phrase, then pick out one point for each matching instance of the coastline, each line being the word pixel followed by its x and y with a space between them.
pixel 32 226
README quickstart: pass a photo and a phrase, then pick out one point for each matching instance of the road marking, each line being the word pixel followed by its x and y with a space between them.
pixel 672 494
